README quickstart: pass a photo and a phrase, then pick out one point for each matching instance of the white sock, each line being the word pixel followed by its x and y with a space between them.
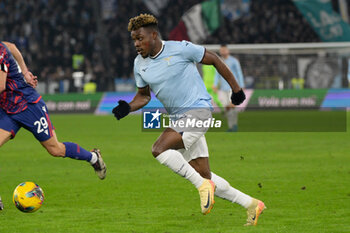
pixel 93 158
pixel 235 116
pixel 232 117
pixel 174 160
pixel 226 191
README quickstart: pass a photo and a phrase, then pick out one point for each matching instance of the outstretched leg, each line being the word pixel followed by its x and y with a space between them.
pixel 74 151
pixel 198 157
pixel 165 150
pixel 226 191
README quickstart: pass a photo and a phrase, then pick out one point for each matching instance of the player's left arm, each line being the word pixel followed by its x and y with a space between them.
pixel 211 58
pixel 29 77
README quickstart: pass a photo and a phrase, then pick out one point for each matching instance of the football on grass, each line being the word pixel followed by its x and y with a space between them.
pixel 28 197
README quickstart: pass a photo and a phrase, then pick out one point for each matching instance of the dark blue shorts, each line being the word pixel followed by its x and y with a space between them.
pixel 35 119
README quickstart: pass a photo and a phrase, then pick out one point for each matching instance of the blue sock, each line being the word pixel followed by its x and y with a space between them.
pixel 74 151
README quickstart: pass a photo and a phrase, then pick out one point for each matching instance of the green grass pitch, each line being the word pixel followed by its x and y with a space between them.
pixel 303 178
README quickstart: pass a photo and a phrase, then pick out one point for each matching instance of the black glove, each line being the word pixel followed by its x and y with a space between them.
pixel 122 110
pixel 237 98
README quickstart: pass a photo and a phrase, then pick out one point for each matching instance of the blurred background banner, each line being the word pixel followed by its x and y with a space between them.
pixel 287 99
pixel 327 23
pixel 307 99
pixel 110 99
pixel 72 103
pixel 337 98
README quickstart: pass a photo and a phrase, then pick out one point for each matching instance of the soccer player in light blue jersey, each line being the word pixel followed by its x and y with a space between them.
pixel 223 89
pixel 168 68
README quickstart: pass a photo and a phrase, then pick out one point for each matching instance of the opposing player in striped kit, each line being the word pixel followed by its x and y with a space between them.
pixel 22 106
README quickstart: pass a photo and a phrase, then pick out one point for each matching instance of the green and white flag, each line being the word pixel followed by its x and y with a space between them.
pixel 198 22
pixel 327 23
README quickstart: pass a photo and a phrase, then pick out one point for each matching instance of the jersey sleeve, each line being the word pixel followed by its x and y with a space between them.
pixel 192 52
pixel 140 83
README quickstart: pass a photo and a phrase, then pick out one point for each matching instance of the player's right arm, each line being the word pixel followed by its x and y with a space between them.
pixel 141 99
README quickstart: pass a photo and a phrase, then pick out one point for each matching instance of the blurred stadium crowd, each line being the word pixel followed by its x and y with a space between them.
pixel 60 37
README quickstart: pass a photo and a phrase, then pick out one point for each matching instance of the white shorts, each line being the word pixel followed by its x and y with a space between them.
pixel 225 97
pixel 197 150
pixel 193 138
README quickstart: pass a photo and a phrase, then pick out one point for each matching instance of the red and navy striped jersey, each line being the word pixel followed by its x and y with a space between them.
pixel 18 93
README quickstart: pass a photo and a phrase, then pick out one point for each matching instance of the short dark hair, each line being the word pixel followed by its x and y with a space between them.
pixel 223 45
pixel 142 20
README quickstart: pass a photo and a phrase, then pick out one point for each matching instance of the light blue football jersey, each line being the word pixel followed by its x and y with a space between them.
pixel 236 69
pixel 173 76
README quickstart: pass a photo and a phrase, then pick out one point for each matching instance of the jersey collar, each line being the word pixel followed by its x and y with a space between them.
pixel 160 51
